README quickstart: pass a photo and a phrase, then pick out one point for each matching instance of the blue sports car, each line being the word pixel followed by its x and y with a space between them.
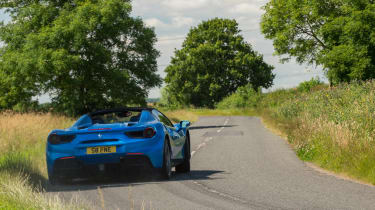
pixel 118 137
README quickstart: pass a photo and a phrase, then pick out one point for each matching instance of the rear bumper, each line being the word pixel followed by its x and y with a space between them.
pixel 73 167
pixel 136 153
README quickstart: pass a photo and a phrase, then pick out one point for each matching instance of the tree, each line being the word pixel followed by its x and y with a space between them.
pixel 337 34
pixel 168 99
pixel 87 54
pixel 214 61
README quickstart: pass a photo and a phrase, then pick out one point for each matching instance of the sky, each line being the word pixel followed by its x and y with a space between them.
pixel 172 20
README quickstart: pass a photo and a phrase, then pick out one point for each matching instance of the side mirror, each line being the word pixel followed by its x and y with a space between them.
pixel 184 124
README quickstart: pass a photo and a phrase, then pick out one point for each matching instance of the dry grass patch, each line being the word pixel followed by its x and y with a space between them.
pixel 17 193
pixel 193 115
pixel 178 115
pixel 19 131
pixel 22 164
pixel 27 134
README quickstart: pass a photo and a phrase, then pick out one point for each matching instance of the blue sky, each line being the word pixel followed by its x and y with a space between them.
pixel 172 19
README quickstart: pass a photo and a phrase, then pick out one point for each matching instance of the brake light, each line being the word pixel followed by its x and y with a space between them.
pixel 65 158
pixel 147 133
pixel 60 139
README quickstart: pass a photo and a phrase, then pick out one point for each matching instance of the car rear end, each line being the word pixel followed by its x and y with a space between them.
pixel 76 152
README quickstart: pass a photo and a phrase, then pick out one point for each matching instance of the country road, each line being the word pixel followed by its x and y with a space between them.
pixel 236 164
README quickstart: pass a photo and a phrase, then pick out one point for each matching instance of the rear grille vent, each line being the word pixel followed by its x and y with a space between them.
pixel 134 134
pixel 98 141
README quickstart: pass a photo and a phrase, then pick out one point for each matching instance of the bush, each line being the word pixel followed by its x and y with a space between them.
pixel 168 100
pixel 309 85
pixel 244 97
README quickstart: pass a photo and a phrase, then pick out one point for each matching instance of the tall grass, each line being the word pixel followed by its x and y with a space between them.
pixel 17 193
pixel 23 172
pixel 332 127
pixel 24 136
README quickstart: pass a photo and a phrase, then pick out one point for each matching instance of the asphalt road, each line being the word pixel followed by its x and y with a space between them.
pixel 236 164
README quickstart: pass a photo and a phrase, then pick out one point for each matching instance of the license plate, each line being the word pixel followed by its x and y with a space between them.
pixel 101 150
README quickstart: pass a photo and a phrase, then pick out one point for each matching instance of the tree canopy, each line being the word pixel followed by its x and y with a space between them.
pixel 87 54
pixel 337 34
pixel 214 61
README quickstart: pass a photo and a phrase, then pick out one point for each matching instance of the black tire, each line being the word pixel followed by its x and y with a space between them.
pixel 185 166
pixel 166 172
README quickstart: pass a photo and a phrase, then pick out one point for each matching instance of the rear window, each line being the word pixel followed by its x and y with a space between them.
pixel 116 117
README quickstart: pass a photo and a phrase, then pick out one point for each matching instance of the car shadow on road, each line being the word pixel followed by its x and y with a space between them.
pixel 212 126
pixel 128 179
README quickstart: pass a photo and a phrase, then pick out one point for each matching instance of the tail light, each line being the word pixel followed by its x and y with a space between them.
pixel 145 134
pixel 149 133
pixel 60 139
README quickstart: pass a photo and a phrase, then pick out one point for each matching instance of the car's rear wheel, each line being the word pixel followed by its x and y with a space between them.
pixel 166 172
pixel 185 166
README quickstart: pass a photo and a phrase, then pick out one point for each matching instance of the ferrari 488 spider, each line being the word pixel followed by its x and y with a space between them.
pixel 118 138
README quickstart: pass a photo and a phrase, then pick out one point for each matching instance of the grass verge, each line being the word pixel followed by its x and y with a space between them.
pixel 330 127
pixel 23 175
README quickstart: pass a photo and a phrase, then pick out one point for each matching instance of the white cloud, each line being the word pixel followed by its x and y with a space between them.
pixel 250 23
pixel 154 22
pixel 246 8
pixel 170 40
pixel 185 4
pixel 182 21
pixel 175 22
